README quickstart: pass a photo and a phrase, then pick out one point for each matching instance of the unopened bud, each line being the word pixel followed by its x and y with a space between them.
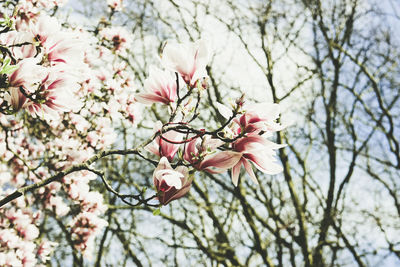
pixel 240 101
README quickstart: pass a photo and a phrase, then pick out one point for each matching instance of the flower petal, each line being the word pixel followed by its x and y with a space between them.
pixel 222 160
pixel 236 172
pixel 224 110
pixel 249 170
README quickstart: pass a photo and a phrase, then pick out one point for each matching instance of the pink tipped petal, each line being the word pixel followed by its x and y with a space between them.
pixel 236 172
pixel 250 143
pixel 152 149
pixel 163 164
pixel 170 184
pixel 213 144
pixel 265 163
pixel 222 160
pixel 250 171
pixel 190 150
pixel 149 99
pixel 179 194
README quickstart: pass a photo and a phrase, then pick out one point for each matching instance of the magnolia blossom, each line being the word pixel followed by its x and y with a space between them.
pixel 55 94
pixel 10 259
pixel 189 60
pixel 57 204
pixel 160 86
pixel 9 238
pixel 28 76
pixel 121 39
pixel 202 156
pixel 45 248
pixel 50 91
pixel 84 227
pixel 259 151
pixel 260 117
pixel 164 146
pixel 30 6
pixel 256 118
pixel 93 202
pixel 171 184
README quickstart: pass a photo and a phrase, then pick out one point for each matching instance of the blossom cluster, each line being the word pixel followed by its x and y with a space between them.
pixel 241 142
pixel 65 91
pixel 61 93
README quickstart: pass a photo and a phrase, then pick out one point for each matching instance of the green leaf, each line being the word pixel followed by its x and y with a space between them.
pixel 6 62
pixel 8 69
pixel 6 20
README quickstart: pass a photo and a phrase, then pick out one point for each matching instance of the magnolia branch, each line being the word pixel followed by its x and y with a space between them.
pixel 136 151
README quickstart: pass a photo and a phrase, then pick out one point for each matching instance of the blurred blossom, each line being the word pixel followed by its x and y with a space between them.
pixel 119 37
pixel 189 60
pixel 45 248
pixel 160 86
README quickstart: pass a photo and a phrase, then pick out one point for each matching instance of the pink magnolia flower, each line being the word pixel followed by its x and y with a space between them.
pixel 121 39
pixel 10 258
pixel 260 152
pixel 260 117
pixel 160 86
pixel 54 94
pixel 93 202
pixel 256 118
pixel 202 156
pixel 171 184
pixel 9 238
pixel 189 60
pixel 28 75
pixel 29 232
pixel 45 249
pixel 26 252
pixel 161 147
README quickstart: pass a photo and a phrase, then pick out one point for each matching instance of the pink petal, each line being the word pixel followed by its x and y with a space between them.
pixel 190 150
pixel 249 143
pixel 265 163
pixel 148 99
pixel 152 149
pixel 222 160
pixel 236 172
pixel 249 170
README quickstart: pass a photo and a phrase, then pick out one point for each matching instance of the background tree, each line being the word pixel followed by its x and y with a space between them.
pixel 332 66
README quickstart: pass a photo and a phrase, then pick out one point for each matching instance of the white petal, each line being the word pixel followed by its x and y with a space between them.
pixel 224 110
